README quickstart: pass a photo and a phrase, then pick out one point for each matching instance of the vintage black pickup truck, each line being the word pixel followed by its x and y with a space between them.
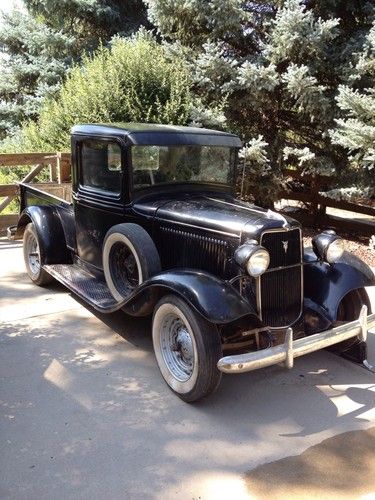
pixel 155 228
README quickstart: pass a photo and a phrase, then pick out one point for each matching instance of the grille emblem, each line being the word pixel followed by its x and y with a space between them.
pixel 285 245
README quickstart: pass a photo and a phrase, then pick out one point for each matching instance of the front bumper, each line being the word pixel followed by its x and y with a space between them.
pixel 291 349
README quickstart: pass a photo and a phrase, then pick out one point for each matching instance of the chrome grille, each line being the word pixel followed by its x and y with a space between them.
pixel 280 297
pixel 280 291
pixel 284 247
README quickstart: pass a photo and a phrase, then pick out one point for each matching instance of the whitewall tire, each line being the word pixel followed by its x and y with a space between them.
pixel 187 348
pixel 34 257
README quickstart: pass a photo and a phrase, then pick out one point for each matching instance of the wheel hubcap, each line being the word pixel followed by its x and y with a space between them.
pixel 177 347
pixel 33 255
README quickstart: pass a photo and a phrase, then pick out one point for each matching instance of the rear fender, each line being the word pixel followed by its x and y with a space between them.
pixel 216 300
pixel 327 284
pixel 50 232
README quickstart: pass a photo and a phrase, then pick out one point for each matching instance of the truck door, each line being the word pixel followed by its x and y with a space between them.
pixel 98 193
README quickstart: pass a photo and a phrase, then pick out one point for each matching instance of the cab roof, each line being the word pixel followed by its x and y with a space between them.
pixel 159 135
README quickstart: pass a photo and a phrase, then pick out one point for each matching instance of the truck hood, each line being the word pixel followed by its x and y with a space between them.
pixel 233 217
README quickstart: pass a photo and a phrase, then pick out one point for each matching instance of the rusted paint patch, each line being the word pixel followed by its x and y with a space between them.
pixel 339 467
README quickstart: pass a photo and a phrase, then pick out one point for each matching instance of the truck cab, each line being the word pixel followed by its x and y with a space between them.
pixel 126 173
pixel 155 227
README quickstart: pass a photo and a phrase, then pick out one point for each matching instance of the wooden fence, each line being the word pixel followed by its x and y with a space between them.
pixel 308 189
pixel 58 165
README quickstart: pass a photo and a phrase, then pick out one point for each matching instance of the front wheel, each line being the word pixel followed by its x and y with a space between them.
pixel 187 349
pixel 349 310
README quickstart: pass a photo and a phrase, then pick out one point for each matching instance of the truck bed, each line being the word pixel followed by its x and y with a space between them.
pixel 33 194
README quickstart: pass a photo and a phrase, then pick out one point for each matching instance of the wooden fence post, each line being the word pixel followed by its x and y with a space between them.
pixel 35 171
pixel 63 162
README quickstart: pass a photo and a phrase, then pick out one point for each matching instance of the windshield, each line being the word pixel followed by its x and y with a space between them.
pixel 168 164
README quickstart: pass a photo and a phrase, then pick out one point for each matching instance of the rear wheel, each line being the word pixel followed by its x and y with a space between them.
pixel 187 349
pixel 33 257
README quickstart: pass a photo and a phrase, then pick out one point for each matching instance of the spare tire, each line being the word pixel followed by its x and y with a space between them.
pixel 129 258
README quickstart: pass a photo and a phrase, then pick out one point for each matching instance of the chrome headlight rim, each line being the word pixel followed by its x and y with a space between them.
pixel 328 246
pixel 331 259
pixel 246 256
pixel 254 268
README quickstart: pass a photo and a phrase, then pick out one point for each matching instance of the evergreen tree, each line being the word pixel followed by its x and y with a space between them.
pixel 35 61
pixel 277 67
pixel 90 21
pixel 356 130
pixel 40 45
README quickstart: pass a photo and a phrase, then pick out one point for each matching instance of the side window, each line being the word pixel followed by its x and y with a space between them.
pixel 101 165
pixel 114 157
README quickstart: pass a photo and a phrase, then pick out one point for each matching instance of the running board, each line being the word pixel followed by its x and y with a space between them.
pixel 88 287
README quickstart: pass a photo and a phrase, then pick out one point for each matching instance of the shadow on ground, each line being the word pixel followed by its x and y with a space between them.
pixel 86 414
pixel 339 467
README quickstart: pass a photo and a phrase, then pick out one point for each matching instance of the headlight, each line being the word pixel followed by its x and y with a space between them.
pixel 252 257
pixel 335 250
pixel 328 246
pixel 258 262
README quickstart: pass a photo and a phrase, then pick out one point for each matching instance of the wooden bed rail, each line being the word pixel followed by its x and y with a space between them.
pixel 58 165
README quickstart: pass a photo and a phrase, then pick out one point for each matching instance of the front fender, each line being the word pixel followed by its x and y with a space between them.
pixel 216 300
pixel 50 232
pixel 326 284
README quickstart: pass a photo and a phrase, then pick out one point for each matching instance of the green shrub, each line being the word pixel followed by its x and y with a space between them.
pixel 133 81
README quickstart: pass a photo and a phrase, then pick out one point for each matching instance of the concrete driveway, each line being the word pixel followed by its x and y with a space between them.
pixel 86 415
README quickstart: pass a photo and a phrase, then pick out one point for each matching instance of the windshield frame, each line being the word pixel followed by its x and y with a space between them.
pixel 194 185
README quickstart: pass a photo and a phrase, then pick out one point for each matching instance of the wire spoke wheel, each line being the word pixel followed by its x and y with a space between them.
pixel 123 268
pixel 129 258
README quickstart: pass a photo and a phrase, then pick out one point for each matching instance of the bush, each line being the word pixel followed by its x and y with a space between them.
pixel 133 81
